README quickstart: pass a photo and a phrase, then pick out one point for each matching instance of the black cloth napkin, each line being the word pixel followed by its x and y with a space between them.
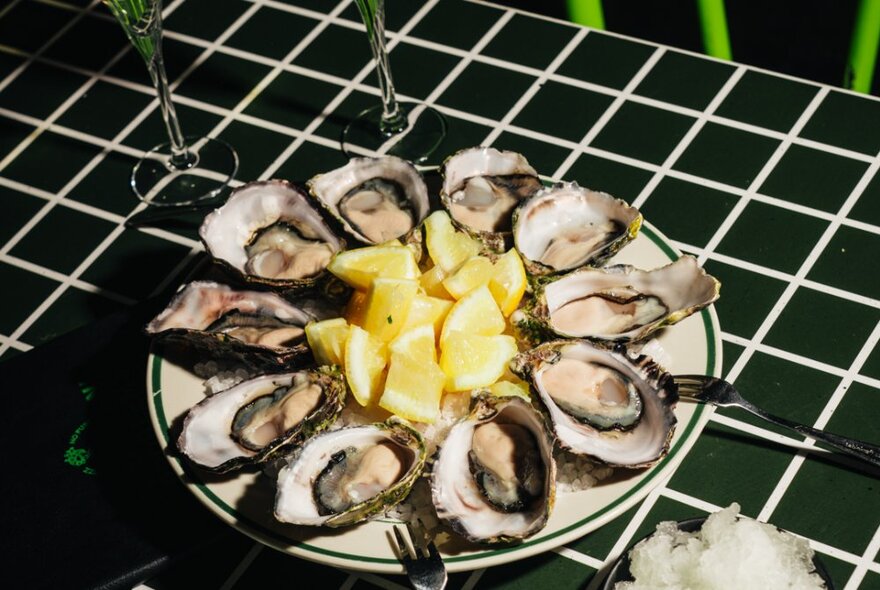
pixel 88 498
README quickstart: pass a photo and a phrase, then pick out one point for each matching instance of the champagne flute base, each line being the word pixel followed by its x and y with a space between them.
pixel 417 143
pixel 156 181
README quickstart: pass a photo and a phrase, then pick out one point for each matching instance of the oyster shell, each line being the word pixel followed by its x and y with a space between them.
pixel 261 418
pixel 258 328
pixel 481 188
pixel 269 234
pixel 617 303
pixel 494 478
pixel 345 476
pixel 564 227
pixel 375 199
pixel 599 384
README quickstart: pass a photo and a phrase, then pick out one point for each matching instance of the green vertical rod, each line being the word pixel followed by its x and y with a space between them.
pixel 713 19
pixel 587 13
pixel 863 50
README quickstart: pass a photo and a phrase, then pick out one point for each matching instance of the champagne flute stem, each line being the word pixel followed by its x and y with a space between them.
pixel 393 120
pixel 181 157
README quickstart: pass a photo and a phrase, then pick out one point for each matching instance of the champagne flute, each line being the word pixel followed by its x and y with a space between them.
pixel 412 131
pixel 185 169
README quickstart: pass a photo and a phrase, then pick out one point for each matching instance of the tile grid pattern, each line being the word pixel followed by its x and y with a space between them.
pixel 505 125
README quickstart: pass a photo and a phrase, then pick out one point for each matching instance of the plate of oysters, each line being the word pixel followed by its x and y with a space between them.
pixel 492 356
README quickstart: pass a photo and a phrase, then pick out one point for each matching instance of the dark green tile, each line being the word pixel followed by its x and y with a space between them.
pixel 223 80
pixel 600 542
pixel 685 80
pixel 842 264
pixel 767 101
pixel 18 208
pixel 746 297
pixel 731 353
pixel 839 570
pixel 544 157
pixel 687 212
pixel 308 160
pixel 270 32
pixel 460 134
pixel 72 310
pixel 871 582
pixel 259 146
pixel 135 264
pixel 417 71
pixel 178 57
pixel 271 566
pixel 606 60
pixel 345 113
pixel 867 208
pixel 12 133
pixel 104 110
pixel 533 572
pixel 207 19
pixel 846 121
pixel 90 43
pixel 726 154
pixel 40 89
pixel 823 327
pixel 68 156
pixel 563 111
pixel 457 24
pixel 79 233
pixel 813 178
pixel 871 368
pixel 782 388
pixel 29 25
pixel 485 90
pixel 642 132
pixel 758 236
pixel 8 63
pixel 726 466
pixel 9 353
pixel 293 100
pixel 621 180
pixel 856 416
pixel 30 291
pixel 546 40
pixel 831 504
pixel 211 563
pixel 152 131
pixel 108 186
pixel 337 51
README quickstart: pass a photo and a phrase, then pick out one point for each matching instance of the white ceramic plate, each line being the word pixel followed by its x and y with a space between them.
pixel 245 500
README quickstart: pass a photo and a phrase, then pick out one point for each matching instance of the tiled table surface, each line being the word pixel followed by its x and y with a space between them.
pixel 771 182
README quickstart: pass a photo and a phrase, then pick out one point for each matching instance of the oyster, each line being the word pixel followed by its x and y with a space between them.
pixel 375 199
pixel 345 476
pixel 617 303
pixel 609 405
pixel 494 477
pixel 261 418
pixel 481 188
pixel 564 227
pixel 269 234
pixel 255 327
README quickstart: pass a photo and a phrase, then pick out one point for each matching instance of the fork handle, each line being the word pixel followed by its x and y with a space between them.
pixel 856 448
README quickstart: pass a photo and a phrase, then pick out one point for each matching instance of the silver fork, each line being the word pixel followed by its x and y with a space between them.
pixel 422 563
pixel 719 392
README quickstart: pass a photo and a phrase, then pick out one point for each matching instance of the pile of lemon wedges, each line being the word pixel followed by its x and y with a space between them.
pixel 411 334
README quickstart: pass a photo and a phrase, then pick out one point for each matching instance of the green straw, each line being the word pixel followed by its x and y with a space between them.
pixel 716 41
pixel 587 13
pixel 863 49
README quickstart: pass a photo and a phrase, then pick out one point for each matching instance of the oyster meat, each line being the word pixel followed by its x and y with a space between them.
pixel 261 418
pixel 269 234
pixel 346 476
pixel 617 303
pixel 255 327
pixel 616 408
pixel 564 227
pixel 481 188
pixel 375 199
pixel 494 477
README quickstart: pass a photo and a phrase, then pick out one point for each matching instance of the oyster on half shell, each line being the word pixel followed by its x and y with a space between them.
pixel 345 476
pixel 611 406
pixel 494 478
pixel 564 227
pixel 617 303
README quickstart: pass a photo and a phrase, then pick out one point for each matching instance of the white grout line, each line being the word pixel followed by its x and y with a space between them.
pixel 15 344
pixel 868 559
pixel 349 582
pixel 579 557
pixel 473 579
pixel 8 8
pixel 242 566
pixel 61 277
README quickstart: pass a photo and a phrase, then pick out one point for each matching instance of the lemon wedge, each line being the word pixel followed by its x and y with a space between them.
pixel 508 281
pixel 356 308
pixel 416 342
pixel 387 306
pixel 475 272
pixel 471 361
pixel 327 340
pixel 360 266
pixel 432 283
pixel 365 358
pixel 506 388
pixel 413 388
pixel 475 313
pixel 427 310
pixel 447 247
